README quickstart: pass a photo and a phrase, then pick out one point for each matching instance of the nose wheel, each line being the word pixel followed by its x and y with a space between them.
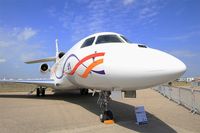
pixel 106 115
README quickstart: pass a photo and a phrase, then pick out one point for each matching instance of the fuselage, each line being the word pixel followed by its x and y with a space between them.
pixel 99 63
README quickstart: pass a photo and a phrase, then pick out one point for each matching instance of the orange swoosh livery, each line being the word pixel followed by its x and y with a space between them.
pixel 91 66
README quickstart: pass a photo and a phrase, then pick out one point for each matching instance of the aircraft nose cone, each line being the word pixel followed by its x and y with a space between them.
pixel 182 68
pixel 171 67
pixel 177 68
pixel 142 67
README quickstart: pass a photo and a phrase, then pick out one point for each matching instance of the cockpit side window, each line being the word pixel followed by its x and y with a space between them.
pixel 125 39
pixel 88 42
pixel 108 39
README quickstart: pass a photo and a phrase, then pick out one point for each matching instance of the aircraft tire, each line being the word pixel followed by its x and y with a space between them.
pixel 43 91
pixel 37 92
pixel 107 115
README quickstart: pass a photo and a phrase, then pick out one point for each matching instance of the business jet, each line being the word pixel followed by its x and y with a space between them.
pixel 107 62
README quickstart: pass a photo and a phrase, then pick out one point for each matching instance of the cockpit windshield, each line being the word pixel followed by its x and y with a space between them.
pixel 108 39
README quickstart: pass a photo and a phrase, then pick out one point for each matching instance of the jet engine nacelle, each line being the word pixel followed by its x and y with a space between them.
pixel 60 55
pixel 44 68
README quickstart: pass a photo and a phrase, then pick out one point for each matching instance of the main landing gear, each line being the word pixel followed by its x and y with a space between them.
pixel 40 91
pixel 106 115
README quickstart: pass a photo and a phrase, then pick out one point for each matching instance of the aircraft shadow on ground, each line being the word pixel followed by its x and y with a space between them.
pixel 123 113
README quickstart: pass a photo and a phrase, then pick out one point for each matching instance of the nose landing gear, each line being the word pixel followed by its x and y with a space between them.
pixel 83 91
pixel 40 91
pixel 106 116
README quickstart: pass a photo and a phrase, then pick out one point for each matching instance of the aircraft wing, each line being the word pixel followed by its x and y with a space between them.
pixel 41 60
pixel 45 83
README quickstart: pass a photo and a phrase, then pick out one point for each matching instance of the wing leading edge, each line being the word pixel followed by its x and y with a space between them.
pixel 45 83
pixel 41 60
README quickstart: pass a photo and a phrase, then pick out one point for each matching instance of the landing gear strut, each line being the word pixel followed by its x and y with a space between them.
pixel 104 97
pixel 40 91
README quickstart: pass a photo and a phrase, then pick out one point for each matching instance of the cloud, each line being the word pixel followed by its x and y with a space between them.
pixel 14 51
pixel 96 16
pixel 13 45
pixel 4 44
pixel 182 37
pixel 149 9
pixel 52 11
pixel 26 34
pixel 147 12
pixel 184 53
pixel 128 2
pixel 81 25
pixel 2 60
pixel 105 15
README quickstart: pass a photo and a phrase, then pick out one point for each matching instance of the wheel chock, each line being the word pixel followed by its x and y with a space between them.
pixel 109 122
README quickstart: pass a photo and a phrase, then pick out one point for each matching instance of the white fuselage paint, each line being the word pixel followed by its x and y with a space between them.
pixel 126 67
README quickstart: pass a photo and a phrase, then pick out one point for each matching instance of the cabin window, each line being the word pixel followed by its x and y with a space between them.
pixel 88 42
pixel 108 39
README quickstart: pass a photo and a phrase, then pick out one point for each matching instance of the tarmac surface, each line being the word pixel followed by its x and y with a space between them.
pixel 72 113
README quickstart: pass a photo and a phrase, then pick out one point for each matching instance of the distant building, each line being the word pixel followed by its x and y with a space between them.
pixel 186 79
pixel 196 82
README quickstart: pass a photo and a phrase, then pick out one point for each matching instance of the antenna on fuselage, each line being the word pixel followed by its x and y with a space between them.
pixel 57 52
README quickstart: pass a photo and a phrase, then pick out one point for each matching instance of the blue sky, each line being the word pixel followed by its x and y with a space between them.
pixel 28 29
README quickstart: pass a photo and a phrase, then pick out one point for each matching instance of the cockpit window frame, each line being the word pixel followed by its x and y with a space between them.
pixel 118 37
pixel 125 39
pixel 84 46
